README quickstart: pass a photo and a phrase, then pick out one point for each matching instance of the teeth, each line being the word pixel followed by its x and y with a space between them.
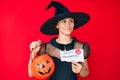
pixel 45 72
pixel 42 73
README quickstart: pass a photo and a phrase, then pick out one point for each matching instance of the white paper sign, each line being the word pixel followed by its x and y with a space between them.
pixel 72 55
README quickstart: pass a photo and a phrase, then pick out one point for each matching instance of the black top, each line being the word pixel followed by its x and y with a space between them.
pixel 63 70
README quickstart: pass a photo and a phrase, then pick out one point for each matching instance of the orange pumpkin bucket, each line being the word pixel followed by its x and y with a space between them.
pixel 43 66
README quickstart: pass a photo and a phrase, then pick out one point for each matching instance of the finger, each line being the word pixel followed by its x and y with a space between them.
pixel 39 40
pixel 74 66
pixel 36 46
pixel 38 43
pixel 74 70
pixel 77 64
pixel 73 62
pixel 32 46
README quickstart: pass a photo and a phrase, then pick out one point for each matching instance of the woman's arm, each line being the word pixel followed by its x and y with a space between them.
pixel 84 70
pixel 80 68
pixel 29 67
pixel 34 48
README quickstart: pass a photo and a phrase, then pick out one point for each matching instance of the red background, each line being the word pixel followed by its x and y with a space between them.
pixel 20 21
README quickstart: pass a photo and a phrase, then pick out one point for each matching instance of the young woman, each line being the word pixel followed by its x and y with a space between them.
pixel 62 24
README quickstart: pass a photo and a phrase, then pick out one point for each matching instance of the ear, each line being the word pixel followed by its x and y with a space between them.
pixel 57 27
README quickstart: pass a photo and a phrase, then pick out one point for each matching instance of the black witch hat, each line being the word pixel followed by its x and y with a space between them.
pixel 49 27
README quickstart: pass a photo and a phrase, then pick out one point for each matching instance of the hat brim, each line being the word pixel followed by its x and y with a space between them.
pixel 49 27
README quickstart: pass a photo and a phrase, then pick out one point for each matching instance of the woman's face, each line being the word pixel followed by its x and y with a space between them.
pixel 65 26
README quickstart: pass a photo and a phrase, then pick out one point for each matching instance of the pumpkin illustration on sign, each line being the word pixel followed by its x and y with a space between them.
pixel 43 66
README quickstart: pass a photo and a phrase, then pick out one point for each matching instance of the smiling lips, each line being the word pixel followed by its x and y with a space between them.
pixel 45 72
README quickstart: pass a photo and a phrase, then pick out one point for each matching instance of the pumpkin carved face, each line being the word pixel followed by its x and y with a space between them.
pixel 43 66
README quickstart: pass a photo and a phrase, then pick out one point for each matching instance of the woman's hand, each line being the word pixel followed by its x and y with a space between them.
pixel 35 47
pixel 76 67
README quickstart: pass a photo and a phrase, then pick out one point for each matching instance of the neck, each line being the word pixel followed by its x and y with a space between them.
pixel 63 39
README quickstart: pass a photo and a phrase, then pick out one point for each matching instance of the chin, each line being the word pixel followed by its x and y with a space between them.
pixel 67 34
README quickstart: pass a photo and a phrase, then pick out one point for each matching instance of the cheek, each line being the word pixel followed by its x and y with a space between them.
pixel 72 25
pixel 61 26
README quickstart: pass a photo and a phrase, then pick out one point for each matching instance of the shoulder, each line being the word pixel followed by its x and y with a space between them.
pixel 85 46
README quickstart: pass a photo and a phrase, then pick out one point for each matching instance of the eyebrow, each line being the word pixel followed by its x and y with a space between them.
pixel 70 18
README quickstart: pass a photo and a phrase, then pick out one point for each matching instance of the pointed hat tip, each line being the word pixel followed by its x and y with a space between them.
pixel 54 3
pixel 50 5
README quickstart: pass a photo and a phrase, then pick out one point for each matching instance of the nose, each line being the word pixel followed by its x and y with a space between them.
pixel 43 66
pixel 68 24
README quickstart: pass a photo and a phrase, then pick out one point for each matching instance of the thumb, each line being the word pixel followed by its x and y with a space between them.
pixel 39 40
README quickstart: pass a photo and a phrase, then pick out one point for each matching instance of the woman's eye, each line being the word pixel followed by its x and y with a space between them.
pixel 64 21
pixel 71 21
